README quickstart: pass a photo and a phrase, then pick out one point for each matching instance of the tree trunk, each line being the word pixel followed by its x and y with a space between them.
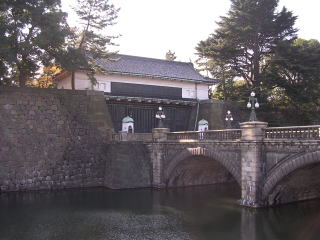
pixel 22 78
pixel 256 67
pixel 73 80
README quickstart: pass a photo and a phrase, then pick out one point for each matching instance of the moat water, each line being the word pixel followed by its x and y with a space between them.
pixel 197 213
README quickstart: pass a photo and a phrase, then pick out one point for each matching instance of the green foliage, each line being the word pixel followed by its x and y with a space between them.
pixel 95 17
pixel 295 70
pixel 224 74
pixel 234 91
pixel 32 34
pixel 258 45
pixel 171 56
pixel 246 37
pixel 89 42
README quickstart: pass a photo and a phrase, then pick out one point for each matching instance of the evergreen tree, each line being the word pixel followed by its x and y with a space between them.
pixel 294 74
pixel 171 56
pixel 32 34
pixel 247 36
pixel 224 75
pixel 90 41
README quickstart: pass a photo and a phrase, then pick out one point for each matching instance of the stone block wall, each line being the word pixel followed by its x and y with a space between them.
pixel 51 139
pixel 128 166
pixel 214 111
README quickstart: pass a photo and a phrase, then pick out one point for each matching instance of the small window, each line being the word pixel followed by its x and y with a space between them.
pixel 102 86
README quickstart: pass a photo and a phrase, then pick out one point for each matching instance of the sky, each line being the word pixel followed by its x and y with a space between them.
pixel 150 28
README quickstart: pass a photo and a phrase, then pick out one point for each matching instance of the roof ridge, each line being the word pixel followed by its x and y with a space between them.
pixel 152 67
pixel 150 58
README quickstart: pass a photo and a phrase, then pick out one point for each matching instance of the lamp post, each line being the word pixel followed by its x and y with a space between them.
pixel 229 119
pixel 253 103
pixel 160 115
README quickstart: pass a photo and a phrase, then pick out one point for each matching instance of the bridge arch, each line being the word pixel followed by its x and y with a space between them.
pixel 289 167
pixel 229 161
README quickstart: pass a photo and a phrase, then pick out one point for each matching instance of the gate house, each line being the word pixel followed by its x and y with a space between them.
pixel 137 86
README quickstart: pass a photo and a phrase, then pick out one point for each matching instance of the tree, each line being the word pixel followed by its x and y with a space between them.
pixel 247 36
pixel 90 42
pixel 224 76
pixel 32 34
pixel 294 71
pixel 171 56
pixel 45 80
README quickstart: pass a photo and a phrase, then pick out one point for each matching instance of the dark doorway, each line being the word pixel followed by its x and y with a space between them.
pixel 177 117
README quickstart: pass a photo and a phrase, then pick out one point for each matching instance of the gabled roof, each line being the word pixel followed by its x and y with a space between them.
pixel 150 67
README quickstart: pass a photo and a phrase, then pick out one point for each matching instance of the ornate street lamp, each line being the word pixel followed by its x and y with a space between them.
pixel 229 119
pixel 253 103
pixel 160 115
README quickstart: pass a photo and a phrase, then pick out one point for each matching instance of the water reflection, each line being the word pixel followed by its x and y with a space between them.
pixel 197 213
pixel 300 221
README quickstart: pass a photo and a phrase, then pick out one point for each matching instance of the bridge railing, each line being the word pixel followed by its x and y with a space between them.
pixel 136 137
pixel 228 134
pixel 295 132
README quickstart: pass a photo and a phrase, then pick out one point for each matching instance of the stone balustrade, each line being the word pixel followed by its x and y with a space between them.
pixel 228 134
pixel 294 132
pixel 136 137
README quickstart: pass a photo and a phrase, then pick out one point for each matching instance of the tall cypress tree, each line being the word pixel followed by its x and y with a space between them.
pixel 247 36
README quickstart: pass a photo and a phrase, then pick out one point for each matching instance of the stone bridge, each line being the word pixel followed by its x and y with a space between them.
pixel 270 165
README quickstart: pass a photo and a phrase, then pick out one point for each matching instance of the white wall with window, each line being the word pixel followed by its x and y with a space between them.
pixel 189 89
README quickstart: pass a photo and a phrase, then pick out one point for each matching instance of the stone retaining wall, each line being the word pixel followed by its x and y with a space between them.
pixel 214 111
pixel 128 166
pixel 51 139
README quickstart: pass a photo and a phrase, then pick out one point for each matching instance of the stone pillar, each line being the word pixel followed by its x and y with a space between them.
pixel 157 153
pixel 160 134
pixel 123 136
pixel 252 163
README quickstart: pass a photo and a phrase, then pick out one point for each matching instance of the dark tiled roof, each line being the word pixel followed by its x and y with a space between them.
pixel 150 67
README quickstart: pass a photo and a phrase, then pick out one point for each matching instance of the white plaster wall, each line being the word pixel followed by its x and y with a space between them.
pixel 125 127
pixel 104 84
pixel 203 127
pixel 64 83
pixel 82 82
pixel 203 91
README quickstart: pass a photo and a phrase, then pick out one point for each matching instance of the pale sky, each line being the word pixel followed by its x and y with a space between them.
pixel 150 28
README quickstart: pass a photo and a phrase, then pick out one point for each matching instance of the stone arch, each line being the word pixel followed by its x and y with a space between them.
pixel 289 166
pixel 226 159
